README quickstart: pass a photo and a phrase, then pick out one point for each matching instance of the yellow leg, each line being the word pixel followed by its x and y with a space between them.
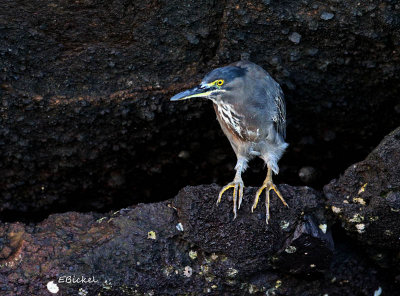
pixel 268 185
pixel 237 185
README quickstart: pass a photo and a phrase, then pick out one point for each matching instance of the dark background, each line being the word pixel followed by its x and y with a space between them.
pixel 85 118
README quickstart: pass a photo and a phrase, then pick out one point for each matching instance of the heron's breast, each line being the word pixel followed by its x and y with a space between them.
pixel 235 123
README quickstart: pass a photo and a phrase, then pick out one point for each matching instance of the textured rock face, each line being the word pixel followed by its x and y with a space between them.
pixel 84 89
pixel 366 199
pixel 190 245
pixel 187 245
pixel 185 242
pixel 85 124
pixel 278 245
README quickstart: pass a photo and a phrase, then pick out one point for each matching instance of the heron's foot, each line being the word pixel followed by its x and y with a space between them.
pixel 237 188
pixel 268 186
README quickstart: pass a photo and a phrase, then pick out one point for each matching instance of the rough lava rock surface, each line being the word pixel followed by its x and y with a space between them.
pixel 366 199
pixel 85 124
pixel 186 245
pixel 85 121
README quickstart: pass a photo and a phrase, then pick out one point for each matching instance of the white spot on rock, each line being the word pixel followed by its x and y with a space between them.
pixel 232 272
pixel 290 249
pixel 388 232
pixel 360 227
pixel 52 287
pixel 192 254
pixel 359 200
pixel 357 218
pixel 284 224
pixel 179 226
pixel 323 227
pixel 378 292
pixel 151 235
pixel 188 271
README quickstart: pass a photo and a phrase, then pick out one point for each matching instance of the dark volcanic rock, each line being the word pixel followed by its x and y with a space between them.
pixel 94 152
pixel 293 241
pixel 185 245
pixel 366 199
pixel 84 117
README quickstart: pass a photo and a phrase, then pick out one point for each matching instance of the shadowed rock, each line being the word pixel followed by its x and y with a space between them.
pixel 366 199
pixel 184 245
pixel 278 244
pixel 85 122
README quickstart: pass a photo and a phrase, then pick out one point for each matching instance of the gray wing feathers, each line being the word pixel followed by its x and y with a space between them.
pixel 272 92
pixel 280 118
pixel 275 104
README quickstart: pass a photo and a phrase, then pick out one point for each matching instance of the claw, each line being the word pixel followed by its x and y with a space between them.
pixel 225 188
pixel 240 196
pixel 268 186
pixel 267 206
pixel 237 187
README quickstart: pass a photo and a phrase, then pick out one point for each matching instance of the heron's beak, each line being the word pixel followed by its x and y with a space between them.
pixel 197 92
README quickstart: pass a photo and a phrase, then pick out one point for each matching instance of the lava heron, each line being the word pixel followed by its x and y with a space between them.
pixel 251 110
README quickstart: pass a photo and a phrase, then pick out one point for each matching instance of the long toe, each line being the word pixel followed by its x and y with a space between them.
pixel 267 206
pixel 225 188
pixel 267 186
pixel 237 195
pixel 235 200
pixel 241 186
pixel 259 191
pixel 273 187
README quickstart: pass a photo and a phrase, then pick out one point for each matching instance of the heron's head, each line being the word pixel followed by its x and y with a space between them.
pixel 220 83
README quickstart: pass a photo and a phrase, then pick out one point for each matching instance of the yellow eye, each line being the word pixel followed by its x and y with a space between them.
pixel 220 82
